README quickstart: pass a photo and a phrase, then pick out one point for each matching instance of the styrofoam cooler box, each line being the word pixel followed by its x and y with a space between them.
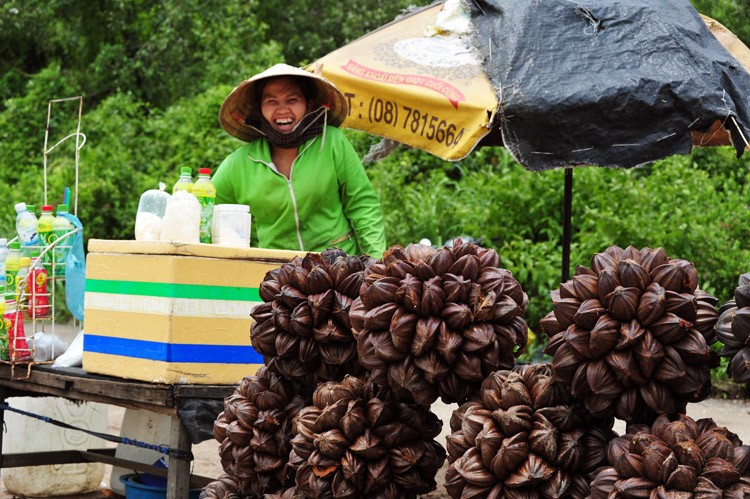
pixel 172 312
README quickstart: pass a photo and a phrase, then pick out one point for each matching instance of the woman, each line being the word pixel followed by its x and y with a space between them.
pixel 305 185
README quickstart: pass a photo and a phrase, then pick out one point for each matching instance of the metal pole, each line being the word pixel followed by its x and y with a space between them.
pixel 567 204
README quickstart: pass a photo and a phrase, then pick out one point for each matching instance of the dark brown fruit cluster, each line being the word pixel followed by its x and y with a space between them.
pixel 225 487
pixel 733 330
pixel 302 329
pixel 525 437
pixel 432 323
pixel 255 432
pixel 631 335
pixel 356 441
pixel 675 459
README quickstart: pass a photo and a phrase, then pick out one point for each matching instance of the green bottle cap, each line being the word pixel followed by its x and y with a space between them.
pixel 186 169
pixel 15 245
pixel 62 207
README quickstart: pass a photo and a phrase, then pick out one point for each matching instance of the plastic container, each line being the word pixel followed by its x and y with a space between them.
pixel 145 426
pixel 185 182
pixel 22 280
pixel 25 434
pixel 231 225
pixel 45 230
pixel 182 219
pixel 205 193
pixel 134 489
pixel 61 226
pixel 12 266
pixel 38 296
pixel 26 226
pixel 18 347
pixel 149 219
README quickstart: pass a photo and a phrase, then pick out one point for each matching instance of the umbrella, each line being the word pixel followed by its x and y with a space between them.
pixel 560 83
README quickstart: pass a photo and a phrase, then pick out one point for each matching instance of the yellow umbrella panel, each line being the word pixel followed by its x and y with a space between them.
pixel 414 83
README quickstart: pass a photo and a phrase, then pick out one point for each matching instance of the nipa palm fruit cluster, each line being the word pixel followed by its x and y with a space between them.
pixel 631 334
pixel 733 330
pixel 675 459
pixel 432 323
pixel 255 433
pixel 302 329
pixel 357 441
pixel 524 437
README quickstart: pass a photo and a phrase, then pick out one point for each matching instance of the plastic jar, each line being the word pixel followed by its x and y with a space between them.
pixel 231 225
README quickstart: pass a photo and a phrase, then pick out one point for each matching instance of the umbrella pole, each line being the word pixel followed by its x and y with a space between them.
pixel 567 203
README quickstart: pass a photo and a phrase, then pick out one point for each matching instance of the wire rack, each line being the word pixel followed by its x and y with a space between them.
pixel 36 307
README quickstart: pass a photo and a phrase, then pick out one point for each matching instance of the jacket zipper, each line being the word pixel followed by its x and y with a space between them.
pixel 291 190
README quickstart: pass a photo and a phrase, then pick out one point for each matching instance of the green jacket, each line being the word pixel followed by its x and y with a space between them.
pixel 328 201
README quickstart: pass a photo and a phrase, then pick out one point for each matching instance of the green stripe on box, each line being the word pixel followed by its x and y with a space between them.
pixel 172 290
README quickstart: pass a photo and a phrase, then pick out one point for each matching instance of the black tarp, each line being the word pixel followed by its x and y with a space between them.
pixel 609 83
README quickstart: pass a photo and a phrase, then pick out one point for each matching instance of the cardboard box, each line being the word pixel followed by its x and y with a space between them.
pixel 172 312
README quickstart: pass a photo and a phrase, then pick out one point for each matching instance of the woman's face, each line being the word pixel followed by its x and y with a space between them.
pixel 282 104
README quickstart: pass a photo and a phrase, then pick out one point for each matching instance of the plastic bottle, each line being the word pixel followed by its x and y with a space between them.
pixel 22 281
pixel 26 226
pixel 205 191
pixel 60 227
pixel 12 265
pixel 3 256
pixel 45 229
pixel 18 348
pixel 185 182
pixel 38 298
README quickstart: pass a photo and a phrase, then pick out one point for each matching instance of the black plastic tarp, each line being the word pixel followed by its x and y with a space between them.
pixel 610 83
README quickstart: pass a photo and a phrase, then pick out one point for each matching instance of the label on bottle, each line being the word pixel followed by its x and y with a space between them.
pixel 207 212
pixel 44 240
pixel 39 300
pixel 10 283
pixel 18 348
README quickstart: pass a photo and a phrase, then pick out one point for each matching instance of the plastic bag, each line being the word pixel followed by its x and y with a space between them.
pixel 73 356
pixel 75 270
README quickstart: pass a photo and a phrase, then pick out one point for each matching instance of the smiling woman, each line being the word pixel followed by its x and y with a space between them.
pixel 305 185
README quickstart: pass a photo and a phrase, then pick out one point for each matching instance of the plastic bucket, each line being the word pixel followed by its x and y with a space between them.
pixel 27 434
pixel 146 426
pixel 134 489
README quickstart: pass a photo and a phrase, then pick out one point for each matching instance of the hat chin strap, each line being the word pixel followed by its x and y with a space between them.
pixel 308 127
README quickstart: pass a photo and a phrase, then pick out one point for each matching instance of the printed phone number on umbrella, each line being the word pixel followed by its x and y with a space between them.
pixel 415 121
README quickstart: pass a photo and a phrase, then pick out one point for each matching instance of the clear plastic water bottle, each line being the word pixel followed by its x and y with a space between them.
pixel 205 192
pixel 185 182
pixel 60 227
pixel 45 230
pixel 27 226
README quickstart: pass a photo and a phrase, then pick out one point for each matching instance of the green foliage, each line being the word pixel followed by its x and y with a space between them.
pixel 335 24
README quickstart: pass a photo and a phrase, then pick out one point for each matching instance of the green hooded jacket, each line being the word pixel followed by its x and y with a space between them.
pixel 327 201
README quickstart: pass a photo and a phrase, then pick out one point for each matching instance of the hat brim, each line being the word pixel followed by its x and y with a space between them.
pixel 240 103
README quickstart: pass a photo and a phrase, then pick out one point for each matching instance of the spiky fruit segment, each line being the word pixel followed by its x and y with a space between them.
pixel 255 433
pixel 676 457
pixel 302 329
pixel 631 335
pixel 733 330
pixel 434 323
pixel 525 435
pixel 357 441
pixel 225 487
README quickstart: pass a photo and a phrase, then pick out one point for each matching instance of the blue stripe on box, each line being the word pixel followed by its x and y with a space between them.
pixel 172 352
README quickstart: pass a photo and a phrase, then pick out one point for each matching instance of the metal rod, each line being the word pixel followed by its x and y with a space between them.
pixel 567 204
